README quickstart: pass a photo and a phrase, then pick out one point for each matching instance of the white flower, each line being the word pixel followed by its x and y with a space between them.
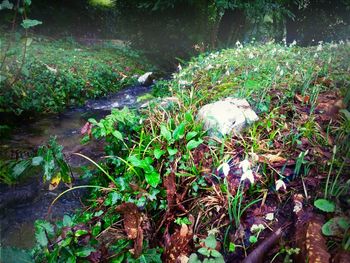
pixel 251 55
pixel 179 68
pixel 184 82
pixel 245 165
pixel 225 168
pixel 239 45
pixel 297 207
pixel 281 72
pixel 248 175
pixel 209 67
pixel 293 43
pixel 280 184
pixel 270 216
pixel 257 228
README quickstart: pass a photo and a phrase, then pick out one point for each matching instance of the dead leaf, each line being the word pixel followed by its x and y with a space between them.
pixel 304 99
pixel 342 257
pixel 179 245
pixel 132 225
pixel 310 240
pixel 55 181
pixel 86 129
pixel 170 186
pixel 272 158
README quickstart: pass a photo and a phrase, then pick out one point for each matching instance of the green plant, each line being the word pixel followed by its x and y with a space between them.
pixel 51 158
pixel 208 251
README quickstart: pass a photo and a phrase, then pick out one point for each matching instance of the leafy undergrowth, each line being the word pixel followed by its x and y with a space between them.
pixel 167 192
pixel 61 73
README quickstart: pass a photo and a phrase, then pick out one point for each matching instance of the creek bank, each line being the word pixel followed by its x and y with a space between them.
pixel 21 205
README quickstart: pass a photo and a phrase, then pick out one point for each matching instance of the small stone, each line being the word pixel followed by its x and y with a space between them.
pixel 146 79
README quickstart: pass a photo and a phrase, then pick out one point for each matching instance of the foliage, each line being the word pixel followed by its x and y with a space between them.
pixel 182 184
pixel 59 74
pixel 49 158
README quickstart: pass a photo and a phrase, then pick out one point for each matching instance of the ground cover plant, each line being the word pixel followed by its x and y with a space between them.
pixel 168 192
pixel 45 76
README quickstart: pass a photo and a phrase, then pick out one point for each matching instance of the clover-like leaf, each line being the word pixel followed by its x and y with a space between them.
pixel 325 205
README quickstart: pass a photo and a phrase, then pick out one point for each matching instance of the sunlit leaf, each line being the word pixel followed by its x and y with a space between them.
pixel 158 153
pixel 37 160
pixel 179 132
pixel 165 133
pixel 84 251
pixel 27 23
pixel 153 178
pixel 55 181
pixel 325 205
pixel 193 144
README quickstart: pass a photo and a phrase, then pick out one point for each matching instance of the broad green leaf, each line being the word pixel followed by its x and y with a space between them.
pixel 172 151
pixel 72 259
pixel 153 178
pixel 216 254
pixel 84 251
pixel 325 205
pixel 92 121
pixel 65 242
pixel 27 23
pixel 191 135
pixel 67 220
pixel 118 135
pixel 232 247
pixel 204 251
pixel 188 116
pixel 253 239
pixel 37 160
pixel 158 153
pixel 194 259
pixel 6 5
pixel 20 167
pixel 179 132
pixel 134 161
pixel 193 144
pixel 346 114
pixel 210 241
pixel 42 229
pixel 165 133
pixel 80 232
pixel 336 226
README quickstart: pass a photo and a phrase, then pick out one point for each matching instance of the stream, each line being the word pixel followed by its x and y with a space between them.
pixel 17 218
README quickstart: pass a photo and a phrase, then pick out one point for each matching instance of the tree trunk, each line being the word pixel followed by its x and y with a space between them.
pixel 231 27
pixel 292 24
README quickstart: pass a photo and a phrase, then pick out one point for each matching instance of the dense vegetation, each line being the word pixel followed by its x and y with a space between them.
pixel 49 76
pixel 169 191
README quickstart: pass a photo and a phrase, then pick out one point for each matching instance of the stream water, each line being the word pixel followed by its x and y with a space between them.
pixel 17 219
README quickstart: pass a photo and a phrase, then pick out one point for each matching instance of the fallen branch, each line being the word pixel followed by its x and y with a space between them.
pixel 257 255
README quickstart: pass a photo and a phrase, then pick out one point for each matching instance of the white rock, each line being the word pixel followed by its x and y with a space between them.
pixel 227 115
pixel 146 79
